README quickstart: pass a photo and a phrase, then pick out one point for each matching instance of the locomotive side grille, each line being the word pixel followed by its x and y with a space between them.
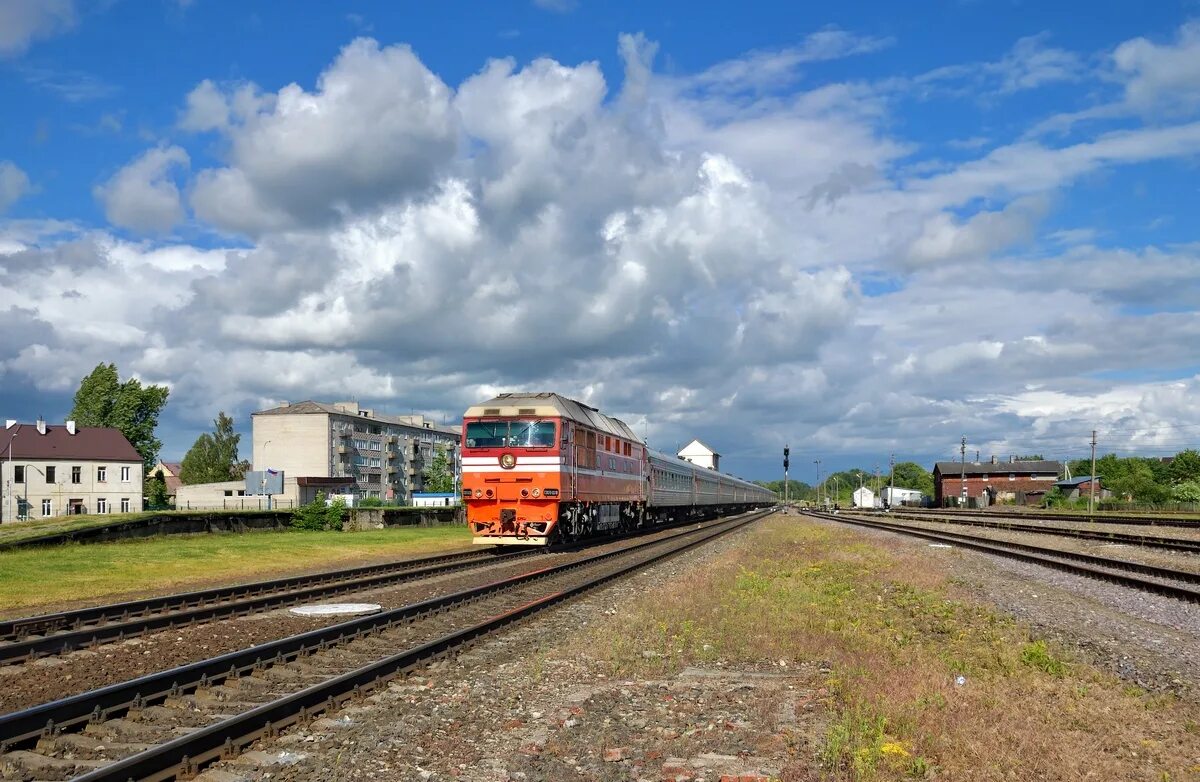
pixel 491 411
pixel 526 411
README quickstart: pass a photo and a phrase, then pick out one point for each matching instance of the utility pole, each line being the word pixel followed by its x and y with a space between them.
pixel 1092 482
pixel 892 479
pixel 963 499
pixel 786 451
pixel 9 484
pixel 877 488
pixel 818 463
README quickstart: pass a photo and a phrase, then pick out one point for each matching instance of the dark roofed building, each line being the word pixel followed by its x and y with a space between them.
pixel 994 481
pixel 52 470
pixel 1081 488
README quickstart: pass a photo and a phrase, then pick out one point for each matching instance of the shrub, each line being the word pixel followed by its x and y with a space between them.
pixel 319 515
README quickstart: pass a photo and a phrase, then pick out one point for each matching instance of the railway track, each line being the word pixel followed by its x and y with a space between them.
pixel 30 637
pixel 1178 584
pixel 1152 541
pixel 1094 518
pixel 133 730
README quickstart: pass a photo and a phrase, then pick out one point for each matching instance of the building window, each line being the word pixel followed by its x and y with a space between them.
pixel 101 505
pixel 47 508
pixel 124 475
pixel 76 475
pixel 49 475
pixel 19 474
pixel 124 504
pixel 229 492
pixel 101 474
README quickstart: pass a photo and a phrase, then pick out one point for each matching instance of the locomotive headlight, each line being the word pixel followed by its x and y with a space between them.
pixel 537 492
pixel 479 492
pixel 524 492
pixel 508 461
pixel 489 492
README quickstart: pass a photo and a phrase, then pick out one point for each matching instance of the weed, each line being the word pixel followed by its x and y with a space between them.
pixel 1036 654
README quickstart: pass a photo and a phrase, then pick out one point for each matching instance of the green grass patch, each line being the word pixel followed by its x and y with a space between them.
pixel 921 681
pixel 57 575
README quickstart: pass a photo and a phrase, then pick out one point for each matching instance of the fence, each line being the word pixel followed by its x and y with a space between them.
pixel 236 503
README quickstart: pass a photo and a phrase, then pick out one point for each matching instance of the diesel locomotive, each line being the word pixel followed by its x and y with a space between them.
pixel 539 468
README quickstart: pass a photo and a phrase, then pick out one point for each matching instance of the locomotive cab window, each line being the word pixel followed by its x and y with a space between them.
pixel 532 434
pixel 517 434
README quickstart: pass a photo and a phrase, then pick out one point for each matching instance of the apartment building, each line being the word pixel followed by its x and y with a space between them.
pixel 386 455
pixel 57 470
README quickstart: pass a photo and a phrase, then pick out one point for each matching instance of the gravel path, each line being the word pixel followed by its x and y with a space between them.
pixel 1146 639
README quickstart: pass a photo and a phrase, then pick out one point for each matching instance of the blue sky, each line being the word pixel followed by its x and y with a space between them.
pixel 856 229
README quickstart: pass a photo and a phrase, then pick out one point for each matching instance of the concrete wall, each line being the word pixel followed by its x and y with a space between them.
pixel 378 518
pixel 297 444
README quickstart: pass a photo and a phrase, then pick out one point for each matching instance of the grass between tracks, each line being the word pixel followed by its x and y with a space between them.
pixel 894 636
pixel 71 574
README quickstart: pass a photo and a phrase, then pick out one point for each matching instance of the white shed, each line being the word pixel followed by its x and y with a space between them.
pixel 700 455
pixel 863 498
pixel 898 496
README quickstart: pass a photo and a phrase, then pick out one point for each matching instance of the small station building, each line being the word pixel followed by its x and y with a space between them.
pixel 997 480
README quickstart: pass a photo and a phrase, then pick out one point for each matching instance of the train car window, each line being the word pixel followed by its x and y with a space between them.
pixel 532 434
pixel 487 434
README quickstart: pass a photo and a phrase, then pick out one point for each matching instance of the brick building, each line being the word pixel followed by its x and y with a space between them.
pixel 994 481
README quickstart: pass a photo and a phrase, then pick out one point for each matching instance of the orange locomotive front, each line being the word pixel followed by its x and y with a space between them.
pixel 511 478
pixel 539 468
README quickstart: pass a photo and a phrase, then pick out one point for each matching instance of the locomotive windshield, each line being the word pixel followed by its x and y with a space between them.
pixel 510 434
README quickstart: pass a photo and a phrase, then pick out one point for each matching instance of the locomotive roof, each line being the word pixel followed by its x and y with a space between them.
pixel 550 405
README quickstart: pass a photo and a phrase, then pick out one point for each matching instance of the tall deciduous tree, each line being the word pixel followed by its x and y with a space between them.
pixel 213 457
pixel 910 475
pixel 1185 467
pixel 439 475
pixel 103 400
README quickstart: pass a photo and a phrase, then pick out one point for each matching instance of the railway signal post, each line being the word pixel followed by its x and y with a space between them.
pixel 786 451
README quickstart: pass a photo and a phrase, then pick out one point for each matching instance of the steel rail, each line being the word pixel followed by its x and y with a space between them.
pixel 22 728
pixel 1153 541
pixel 1093 518
pixel 1049 557
pixel 117 622
pixel 186 755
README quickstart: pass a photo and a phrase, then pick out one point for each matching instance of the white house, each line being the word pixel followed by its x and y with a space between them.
pixel 863 498
pixel 48 470
pixel 701 455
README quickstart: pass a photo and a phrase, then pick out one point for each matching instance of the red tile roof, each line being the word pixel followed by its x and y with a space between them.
pixel 89 443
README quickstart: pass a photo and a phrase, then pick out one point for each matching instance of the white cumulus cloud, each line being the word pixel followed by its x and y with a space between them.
pixel 142 195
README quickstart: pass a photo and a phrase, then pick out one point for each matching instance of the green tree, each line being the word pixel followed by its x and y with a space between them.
pixel 1188 491
pixel 103 400
pixel 319 514
pixel 439 475
pixel 910 475
pixel 1185 466
pixel 213 457
pixel 1035 457
pixel 156 492
pixel 797 490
